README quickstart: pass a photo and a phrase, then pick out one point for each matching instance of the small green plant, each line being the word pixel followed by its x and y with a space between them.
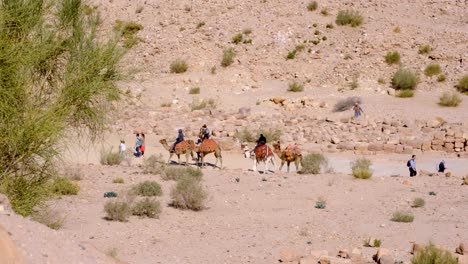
pixel 425 49
pixel 432 193
pixel 372 243
pixel 404 79
pixel 202 104
pixel 108 157
pixel 291 55
pixel 247 31
pixel 320 203
pixel 194 90
pixel 147 207
pixel 237 38
pixel 64 186
pixel 349 17
pixel 432 69
pixel 315 41
pixel 402 217
pixel 118 180
pixel 147 188
pixel 433 255
pixel 329 25
pixel 381 81
pixel 200 24
pixel 317 32
pixel 404 93
pixel 392 58
pixel 312 6
pixel 314 25
pixel 300 47
pixel 247 41
pixel 325 12
pixel 361 168
pixel 418 202
pixel 463 84
pixel 347 57
pixel 175 173
pixel 178 66
pixel 441 78
pixel 324 38
pixel 129 31
pixel 228 57
pixel 113 253
pixel 313 163
pixel 189 193
pixel 295 87
pixel 450 99
pixel 117 211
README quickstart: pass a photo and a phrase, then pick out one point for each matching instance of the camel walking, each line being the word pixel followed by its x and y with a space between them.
pixel 288 155
pixel 185 147
pixel 210 146
pixel 263 154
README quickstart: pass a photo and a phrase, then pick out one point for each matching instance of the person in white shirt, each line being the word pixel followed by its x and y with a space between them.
pixel 122 149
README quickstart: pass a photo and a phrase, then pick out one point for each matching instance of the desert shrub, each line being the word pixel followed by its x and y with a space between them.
pixel 64 186
pixel 450 99
pixel 313 163
pixel 329 25
pixel 237 38
pixel 463 84
pixel 432 69
pixel 375 243
pixel 418 202
pixel 72 172
pixel 300 47
pixel 153 165
pixel 108 157
pixel 320 203
pixel 189 193
pixel 381 81
pixel 404 79
pixel 228 57
pixel 432 193
pixel 403 217
pixel 324 38
pixel 139 9
pixel 441 78
pixel 48 217
pixel 200 24
pixel 404 93
pixel 147 188
pixel 349 17
pixel 247 135
pixel 202 104
pixel 346 104
pixel 129 31
pixel 295 87
pixel 147 207
pixel 178 66
pixel 118 180
pixel 361 168
pixel 25 193
pixel 317 32
pixel 433 255
pixel 312 6
pixel 117 211
pixel 247 31
pixel 315 41
pixel 425 49
pixel 194 90
pixel 175 173
pixel 291 55
pixel 392 58
pixel 325 12
pixel 247 41
pixel 397 30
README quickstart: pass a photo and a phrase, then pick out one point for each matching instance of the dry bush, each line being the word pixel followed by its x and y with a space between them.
pixel 312 6
pixel 48 217
pixel 64 186
pixel 392 58
pixel 200 24
pixel 402 217
pixel 329 25
pixel 295 87
pixel 432 69
pixel 463 84
pixel 147 207
pixel 179 66
pixel 375 243
pixel 108 157
pixel 194 90
pixel 418 202
pixel 237 38
pixel 247 31
pixel 117 211
pixel 346 104
pixel 361 168
pixel 129 31
pixel 175 173
pixel 189 193
pixel 154 164
pixel 325 12
pixel 147 188
pixel 450 99
pixel 313 163
pixel 381 81
pixel 405 93
pixel 198 104
pixel 291 55
pixel 404 79
pixel 433 255
pixel 118 180
pixel 425 49
pixel 441 78
pixel 349 17
pixel 228 57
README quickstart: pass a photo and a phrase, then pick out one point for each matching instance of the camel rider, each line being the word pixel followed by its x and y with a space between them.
pixel 179 139
pixel 204 133
pixel 260 142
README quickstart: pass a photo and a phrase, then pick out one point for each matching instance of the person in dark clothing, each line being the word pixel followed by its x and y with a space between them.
pixel 412 166
pixel 179 139
pixel 260 142
pixel 442 166
pixel 204 133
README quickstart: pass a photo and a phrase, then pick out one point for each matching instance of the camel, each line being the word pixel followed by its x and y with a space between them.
pixel 185 147
pixel 209 146
pixel 262 153
pixel 288 155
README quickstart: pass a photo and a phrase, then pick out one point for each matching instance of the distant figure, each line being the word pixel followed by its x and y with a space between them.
pixel 357 110
pixel 122 149
pixel 442 167
pixel 260 142
pixel 180 138
pixel 143 146
pixel 412 166
pixel 137 145
pixel 204 133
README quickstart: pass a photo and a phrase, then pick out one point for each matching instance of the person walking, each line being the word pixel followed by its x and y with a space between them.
pixel 442 167
pixel 143 145
pixel 137 145
pixel 122 149
pixel 412 166
pixel 357 110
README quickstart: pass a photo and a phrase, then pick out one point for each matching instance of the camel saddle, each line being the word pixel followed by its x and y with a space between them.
pixel 182 147
pixel 293 150
pixel 208 145
pixel 263 151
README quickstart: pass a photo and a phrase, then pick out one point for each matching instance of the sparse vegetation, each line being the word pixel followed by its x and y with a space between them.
pixel 153 165
pixel 312 6
pixel 48 217
pixel 361 168
pixel 324 38
pixel 175 173
pixel 129 31
pixel 117 211
pixel 194 90
pixel 433 255
pixel 381 81
pixel 295 87
pixel 372 243
pixel 325 12
pixel 463 84
pixel 397 30
pixel 402 217
pixel 450 99
pixel 300 47
pixel 320 203
pixel 404 93
pixel 147 207
pixel 349 17
pixel 237 38
pixel 198 104
pixel 432 69
pixel 64 186
pixel 247 135
pixel 347 57
pixel 291 55
pixel 200 24
pixel 329 25
pixel 228 57
pixel 118 180
pixel 317 32
pixel 109 157
pixel 147 188
pixel 313 163
pixel 189 193
pixel 178 66
pixel 418 202
pixel 315 41
pixel 441 78
pixel 346 104
pixel 432 193
pixel 425 49
pixel 392 58
pixel 247 31
pixel 404 79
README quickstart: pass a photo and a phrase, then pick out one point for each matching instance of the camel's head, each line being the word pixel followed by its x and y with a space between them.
pixel 277 146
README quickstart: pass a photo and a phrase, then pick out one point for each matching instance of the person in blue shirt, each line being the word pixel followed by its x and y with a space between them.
pixel 357 110
pixel 180 138
pixel 138 144
pixel 412 166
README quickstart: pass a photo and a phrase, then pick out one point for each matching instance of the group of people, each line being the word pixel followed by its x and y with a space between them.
pixel 140 146
pixel 412 166
pixel 204 134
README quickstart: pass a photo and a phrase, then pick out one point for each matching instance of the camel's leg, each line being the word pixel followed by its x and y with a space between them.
pixel 170 156
pixel 220 162
pixel 178 158
pixel 274 164
pixel 289 163
pixel 255 164
pixel 187 154
pixel 202 157
pixel 266 165
pixel 297 164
